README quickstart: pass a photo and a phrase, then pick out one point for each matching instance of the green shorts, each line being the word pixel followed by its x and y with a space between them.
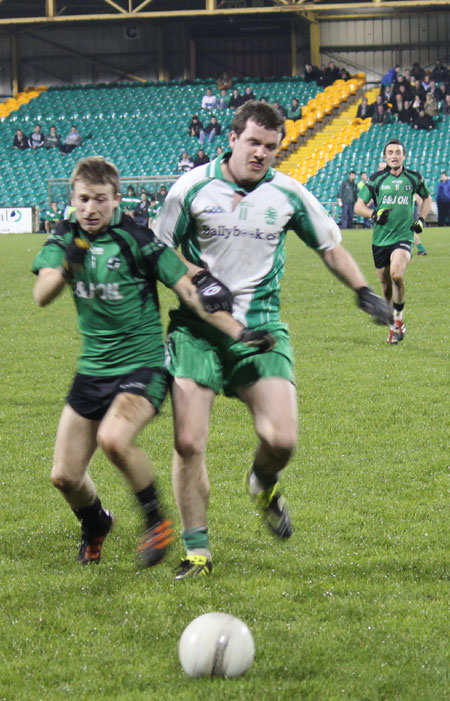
pixel 214 360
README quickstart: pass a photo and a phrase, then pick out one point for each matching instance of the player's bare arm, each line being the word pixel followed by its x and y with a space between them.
pixel 362 210
pixel 425 207
pixel 49 284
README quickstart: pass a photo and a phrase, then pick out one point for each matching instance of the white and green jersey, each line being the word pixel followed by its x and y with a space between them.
pixel 240 240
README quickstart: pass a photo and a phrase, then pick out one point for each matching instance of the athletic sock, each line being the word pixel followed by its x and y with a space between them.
pixel 260 481
pixel 420 247
pixel 196 541
pixel 93 518
pixel 398 311
pixel 148 499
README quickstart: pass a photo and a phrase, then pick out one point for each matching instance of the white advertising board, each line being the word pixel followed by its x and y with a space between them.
pixel 16 220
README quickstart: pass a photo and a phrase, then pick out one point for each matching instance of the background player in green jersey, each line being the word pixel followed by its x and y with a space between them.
pixel 233 215
pixel 112 265
pixel 393 191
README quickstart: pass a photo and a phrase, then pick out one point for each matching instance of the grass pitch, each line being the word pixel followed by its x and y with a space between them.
pixel 354 606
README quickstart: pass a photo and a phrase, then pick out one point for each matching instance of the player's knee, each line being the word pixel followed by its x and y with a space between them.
pixel 64 482
pixel 396 276
pixel 281 442
pixel 189 444
pixel 113 447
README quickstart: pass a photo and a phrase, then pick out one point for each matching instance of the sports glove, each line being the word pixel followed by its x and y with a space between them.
pixel 381 216
pixel 417 225
pixel 262 340
pixel 74 259
pixel 214 295
pixel 374 305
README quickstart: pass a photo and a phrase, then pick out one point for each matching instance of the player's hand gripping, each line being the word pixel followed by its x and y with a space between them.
pixel 417 225
pixel 381 216
pixel 255 338
pixel 214 295
pixel 74 259
pixel 374 305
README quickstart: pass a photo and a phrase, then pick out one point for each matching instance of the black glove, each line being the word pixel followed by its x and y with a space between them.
pixel 381 216
pixel 417 225
pixel 214 295
pixel 374 305
pixel 75 254
pixel 262 340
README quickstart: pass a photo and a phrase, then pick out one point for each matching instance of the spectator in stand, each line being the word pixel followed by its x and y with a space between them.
pixel 162 194
pixel 20 140
pixel 236 100
pixel 280 108
pixel 403 87
pixel 388 96
pixel 390 77
pixel 196 128
pixel 347 196
pixel 140 214
pixel 51 217
pixel 185 163
pixel 223 99
pixel 381 116
pixel 398 104
pixel 426 83
pixel 201 158
pixel 379 100
pixel 417 72
pixel 446 106
pixel 423 121
pixel 436 91
pixel 248 94
pixel 431 106
pixel 364 109
pixel 407 75
pixel 36 139
pixel 72 140
pixel 153 209
pixel 312 73
pixel 417 103
pixel 331 74
pixel 219 150
pixel 418 90
pixel 53 139
pixel 406 114
pixel 345 75
pixel 209 101
pixel 224 82
pixel 130 201
pixel 439 73
pixel 295 110
pixel 212 130
pixel 443 199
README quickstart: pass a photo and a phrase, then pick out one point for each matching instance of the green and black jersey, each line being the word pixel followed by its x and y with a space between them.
pixel 394 192
pixel 116 295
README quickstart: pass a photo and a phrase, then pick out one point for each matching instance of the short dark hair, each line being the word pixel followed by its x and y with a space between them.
pixel 95 170
pixel 395 142
pixel 260 112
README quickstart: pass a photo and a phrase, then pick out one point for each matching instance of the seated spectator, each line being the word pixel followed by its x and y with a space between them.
pixel 212 130
pixel 52 139
pixel 224 81
pixel 403 87
pixel 280 108
pixel 312 73
pixel 236 100
pixel 388 95
pixel 431 106
pixel 406 114
pixel 439 73
pixel 398 104
pixel 36 138
pixel 446 106
pixel 223 99
pixel 130 201
pixel 364 109
pixel 417 71
pixel 295 110
pixel 331 74
pixel 248 94
pixel 20 140
pixel 379 100
pixel 219 150
pixel 185 163
pixel 390 77
pixel 407 75
pixel 162 194
pixel 426 83
pixel 345 75
pixel 51 217
pixel 195 127
pixel 423 121
pixel 72 140
pixel 201 158
pixel 141 214
pixel 418 90
pixel 209 101
pixel 153 209
pixel 436 91
pixel 381 116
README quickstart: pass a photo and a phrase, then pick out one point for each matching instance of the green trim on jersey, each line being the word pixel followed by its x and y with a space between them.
pixel 190 247
pixel 300 222
pixel 396 193
pixel 115 295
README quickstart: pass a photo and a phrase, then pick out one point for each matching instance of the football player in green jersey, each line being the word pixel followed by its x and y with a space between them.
pixel 112 265
pixel 233 215
pixel 393 190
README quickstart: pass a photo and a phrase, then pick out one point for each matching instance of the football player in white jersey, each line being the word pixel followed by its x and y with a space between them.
pixel 231 217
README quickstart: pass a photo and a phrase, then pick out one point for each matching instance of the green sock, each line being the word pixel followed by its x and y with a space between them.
pixel 420 247
pixel 196 538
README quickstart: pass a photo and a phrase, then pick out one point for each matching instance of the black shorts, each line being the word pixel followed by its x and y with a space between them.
pixel 91 396
pixel 382 254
